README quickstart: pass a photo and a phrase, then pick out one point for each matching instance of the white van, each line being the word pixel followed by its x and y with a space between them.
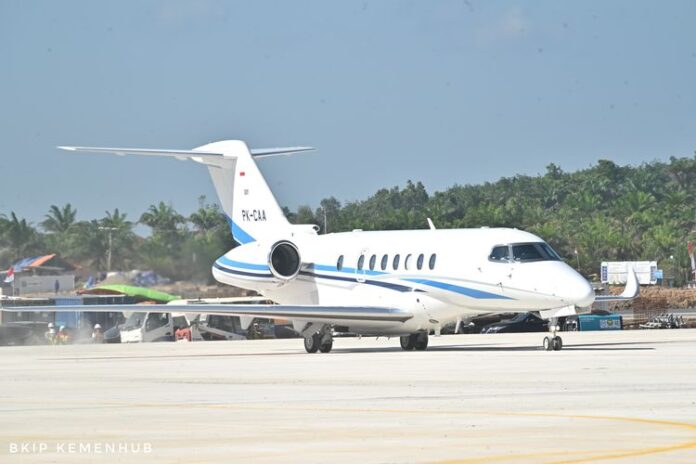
pixel 151 327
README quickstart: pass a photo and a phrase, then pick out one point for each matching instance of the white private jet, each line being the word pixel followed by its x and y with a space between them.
pixel 406 283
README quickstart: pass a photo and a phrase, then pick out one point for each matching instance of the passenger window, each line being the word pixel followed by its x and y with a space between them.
pixel 407 262
pixel 395 264
pixel 385 260
pixel 500 253
pixel 419 263
pixel 431 263
pixel 373 260
pixel 361 262
pixel 339 264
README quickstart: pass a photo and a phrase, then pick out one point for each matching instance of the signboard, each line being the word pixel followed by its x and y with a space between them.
pixel 616 272
pixel 44 284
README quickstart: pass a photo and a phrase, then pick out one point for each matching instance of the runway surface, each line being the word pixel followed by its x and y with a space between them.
pixel 607 397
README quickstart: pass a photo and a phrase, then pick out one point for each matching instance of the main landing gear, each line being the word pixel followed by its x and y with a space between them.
pixel 554 342
pixel 321 341
pixel 417 341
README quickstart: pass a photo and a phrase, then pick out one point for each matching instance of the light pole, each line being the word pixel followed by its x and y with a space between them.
pixel 108 253
pixel 577 257
pixel 674 271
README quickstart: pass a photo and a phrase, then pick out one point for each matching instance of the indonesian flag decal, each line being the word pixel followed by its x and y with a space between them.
pixel 10 275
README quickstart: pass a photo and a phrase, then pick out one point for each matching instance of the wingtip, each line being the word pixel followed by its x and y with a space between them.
pixel 66 148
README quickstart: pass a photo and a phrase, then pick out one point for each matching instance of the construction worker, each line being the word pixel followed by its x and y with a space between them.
pixel 63 337
pixel 51 334
pixel 97 334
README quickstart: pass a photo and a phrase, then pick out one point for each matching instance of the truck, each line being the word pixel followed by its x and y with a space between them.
pixel 151 327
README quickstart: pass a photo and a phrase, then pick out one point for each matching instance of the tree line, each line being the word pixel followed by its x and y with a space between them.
pixel 604 212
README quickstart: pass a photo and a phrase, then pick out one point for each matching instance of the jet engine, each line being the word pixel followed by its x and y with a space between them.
pixel 284 260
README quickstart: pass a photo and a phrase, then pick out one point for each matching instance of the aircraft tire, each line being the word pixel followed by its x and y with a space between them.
pixel 326 347
pixel 548 344
pixel 557 343
pixel 408 342
pixel 311 344
pixel 421 341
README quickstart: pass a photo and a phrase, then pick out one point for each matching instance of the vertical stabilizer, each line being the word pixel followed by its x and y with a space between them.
pixel 248 203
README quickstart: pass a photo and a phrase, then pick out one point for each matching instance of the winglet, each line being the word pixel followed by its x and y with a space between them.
pixel 631 291
pixel 632 285
pixel 430 224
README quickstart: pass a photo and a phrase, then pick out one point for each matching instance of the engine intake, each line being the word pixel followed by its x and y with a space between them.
pixel 284 260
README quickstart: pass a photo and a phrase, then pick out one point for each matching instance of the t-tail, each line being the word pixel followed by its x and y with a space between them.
pixel 248 203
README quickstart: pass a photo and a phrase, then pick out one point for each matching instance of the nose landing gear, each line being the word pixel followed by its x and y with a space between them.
pixel 554 342
pixel 417 341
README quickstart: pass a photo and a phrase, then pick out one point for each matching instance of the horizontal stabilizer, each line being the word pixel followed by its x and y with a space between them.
pixel 265 152
pixel 184 154
pixel 310 313
pixel 180 154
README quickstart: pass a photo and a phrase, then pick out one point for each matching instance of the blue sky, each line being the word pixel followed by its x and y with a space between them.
pixel 439 91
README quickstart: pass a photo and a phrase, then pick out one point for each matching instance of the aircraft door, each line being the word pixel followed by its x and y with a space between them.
pixel 498 267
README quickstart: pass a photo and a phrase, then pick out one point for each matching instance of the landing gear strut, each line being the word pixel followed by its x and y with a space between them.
pixel 554 342
pixel 417 341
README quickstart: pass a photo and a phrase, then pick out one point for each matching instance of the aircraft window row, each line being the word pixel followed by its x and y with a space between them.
pixel 523 252
pixel 384 262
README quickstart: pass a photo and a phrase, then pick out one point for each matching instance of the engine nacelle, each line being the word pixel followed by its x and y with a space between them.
pixel 284 260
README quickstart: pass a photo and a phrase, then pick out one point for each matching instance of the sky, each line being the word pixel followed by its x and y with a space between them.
pixel 444 92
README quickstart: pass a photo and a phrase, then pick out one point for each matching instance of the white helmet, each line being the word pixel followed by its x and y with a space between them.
pixel 97 326
pixel 50 325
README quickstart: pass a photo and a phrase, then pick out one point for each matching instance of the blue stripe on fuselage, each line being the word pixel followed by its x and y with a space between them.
pixel 238 234
pixel 473 293
pixel 223 260
pixel 241 273
pixel 355 274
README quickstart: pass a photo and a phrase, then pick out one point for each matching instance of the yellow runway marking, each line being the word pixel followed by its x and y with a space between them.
pixel 559 457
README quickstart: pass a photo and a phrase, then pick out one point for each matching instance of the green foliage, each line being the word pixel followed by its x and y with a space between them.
pixel 606 212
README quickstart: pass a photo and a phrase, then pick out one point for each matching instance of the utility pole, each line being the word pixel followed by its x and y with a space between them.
pixel 108 253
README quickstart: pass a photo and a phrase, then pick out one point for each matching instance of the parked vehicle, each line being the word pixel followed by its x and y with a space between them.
pixel 522 322
pixel 113 335
pixel 664 321
pixel 596 320
pixel 148 327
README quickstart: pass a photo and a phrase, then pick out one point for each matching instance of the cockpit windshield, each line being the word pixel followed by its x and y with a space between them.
pixel 523 253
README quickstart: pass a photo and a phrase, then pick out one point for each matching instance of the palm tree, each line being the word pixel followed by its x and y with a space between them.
pixel 207 219
pixel 59 220
pixel 20 237
pixel 162 218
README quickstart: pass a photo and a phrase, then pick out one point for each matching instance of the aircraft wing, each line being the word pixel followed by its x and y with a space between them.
pixel 630 292
pixel 309 313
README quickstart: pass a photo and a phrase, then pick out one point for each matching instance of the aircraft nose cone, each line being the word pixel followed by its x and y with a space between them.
pixel 578 292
